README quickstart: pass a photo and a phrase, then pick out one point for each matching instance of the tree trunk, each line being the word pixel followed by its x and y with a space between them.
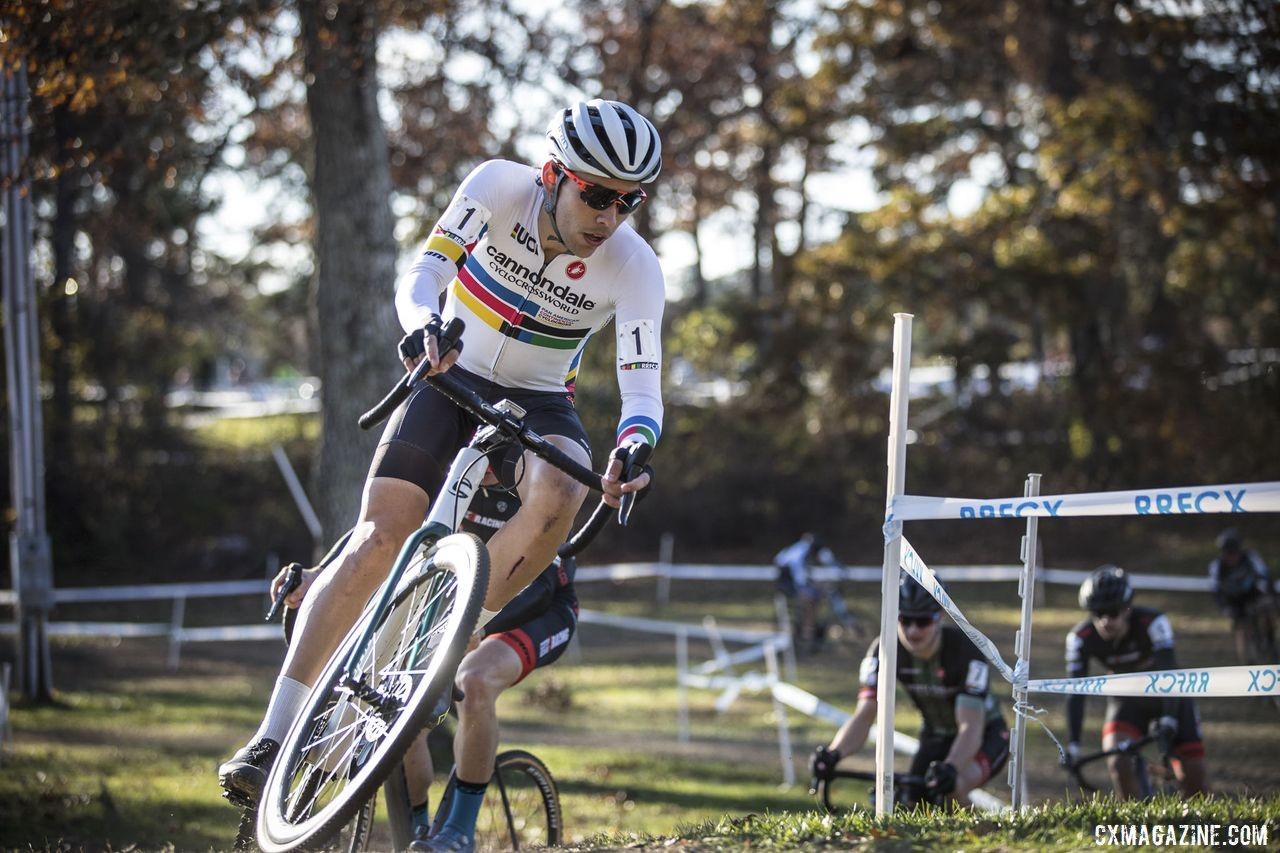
pixel 62 239
pixel 355 247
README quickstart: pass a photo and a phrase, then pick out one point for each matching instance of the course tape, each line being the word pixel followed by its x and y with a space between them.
pixel 913 565
pixel 1188 500
pixel 1213 681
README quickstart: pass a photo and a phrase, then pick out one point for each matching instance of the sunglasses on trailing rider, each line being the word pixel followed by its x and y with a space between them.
pixel 599 197
pixel 918 621
pixel 1108 613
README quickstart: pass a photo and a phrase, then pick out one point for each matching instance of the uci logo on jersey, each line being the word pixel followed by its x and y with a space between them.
pixel 1264 680
pixel 1184 681
pixel 522 236
pixel 1183 503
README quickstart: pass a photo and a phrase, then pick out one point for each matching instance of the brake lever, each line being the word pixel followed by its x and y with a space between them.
pixel 292 581
pixel 632 467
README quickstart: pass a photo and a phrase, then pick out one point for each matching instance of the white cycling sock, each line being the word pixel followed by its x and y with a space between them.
pixel 286 701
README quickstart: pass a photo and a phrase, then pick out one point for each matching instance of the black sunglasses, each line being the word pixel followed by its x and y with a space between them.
pixel 918 621
pixel 599 197
pixel 1108 613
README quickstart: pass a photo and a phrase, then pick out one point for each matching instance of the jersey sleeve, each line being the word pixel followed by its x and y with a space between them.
pixel 1077 667
pixel 1260 569
pixel 868 670
pixel 1215 578
pixel 1077 660
pixel 638 320
pixel 977 674
pixel 1160 634
pixel 452 238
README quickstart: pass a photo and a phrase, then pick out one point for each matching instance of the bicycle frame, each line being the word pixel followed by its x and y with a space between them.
pixel 445 517
pixel 1131 750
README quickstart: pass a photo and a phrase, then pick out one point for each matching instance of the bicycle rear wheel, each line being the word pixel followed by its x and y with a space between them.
pixel 351 734
pixel 521 807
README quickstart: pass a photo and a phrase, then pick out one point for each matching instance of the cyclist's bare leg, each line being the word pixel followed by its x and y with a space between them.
pixel 419 772
pixel 807 606
pixel 1191 775
pixel 1124 780
pixel 527 543
pixel 968 777
pixel 484 675
pixel 1241 636
pixel 390 510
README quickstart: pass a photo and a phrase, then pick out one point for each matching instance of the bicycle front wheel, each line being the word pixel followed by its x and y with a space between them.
pixel 846 792
pixel 360 719
pixel 521 807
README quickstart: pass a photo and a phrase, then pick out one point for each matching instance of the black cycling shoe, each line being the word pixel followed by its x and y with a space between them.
pixel 244 775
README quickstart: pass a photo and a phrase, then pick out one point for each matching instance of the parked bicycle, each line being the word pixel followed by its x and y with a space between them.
pixel 392 675
pixel 1154 777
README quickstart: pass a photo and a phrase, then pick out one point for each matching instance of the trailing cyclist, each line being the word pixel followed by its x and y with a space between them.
pixel 1128 638
pixel 531 632
pixel 964 739
pixel 534 260
pixel 795 581
pixel 1243 590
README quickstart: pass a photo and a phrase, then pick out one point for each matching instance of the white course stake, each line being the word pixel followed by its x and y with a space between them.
pixel 886 680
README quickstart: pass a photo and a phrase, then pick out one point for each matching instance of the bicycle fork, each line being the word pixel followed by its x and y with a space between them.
pixel 445 516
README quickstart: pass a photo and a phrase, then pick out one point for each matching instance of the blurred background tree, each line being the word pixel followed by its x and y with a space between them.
pixel 1078 201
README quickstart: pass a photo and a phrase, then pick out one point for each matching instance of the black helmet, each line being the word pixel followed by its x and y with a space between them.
pixel 1107 588
pixel 1229 540
pixel 814 539
pixel 915 600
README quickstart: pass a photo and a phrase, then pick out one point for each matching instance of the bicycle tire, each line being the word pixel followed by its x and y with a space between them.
pixel 354 837
pixel 842 794
pixel 521 807
pixel 342 746
pixel 854 790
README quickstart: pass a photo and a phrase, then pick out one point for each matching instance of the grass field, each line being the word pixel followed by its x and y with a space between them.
pixel 126 759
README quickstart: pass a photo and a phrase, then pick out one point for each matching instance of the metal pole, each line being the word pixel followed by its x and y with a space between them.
pixel 29 548
pixel 666 550
pixel 682 690
pixel 887 678
pixel 299 495
pixel 1022 644
pixel 785 753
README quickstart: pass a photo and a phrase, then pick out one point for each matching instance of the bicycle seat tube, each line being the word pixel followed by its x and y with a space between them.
pixel 445 516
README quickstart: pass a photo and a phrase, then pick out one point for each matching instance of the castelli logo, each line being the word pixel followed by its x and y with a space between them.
pixel 576 270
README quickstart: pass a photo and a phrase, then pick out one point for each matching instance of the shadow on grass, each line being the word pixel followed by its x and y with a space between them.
pixel 51 816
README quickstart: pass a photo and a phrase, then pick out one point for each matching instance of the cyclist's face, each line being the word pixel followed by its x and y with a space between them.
pixel 919 634
pixel 583 227
pixel 1111 624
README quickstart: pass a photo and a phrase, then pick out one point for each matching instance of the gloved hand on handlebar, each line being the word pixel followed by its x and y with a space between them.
pixel 613 483
pixel 426 341
pixel 1163 730
pixel 940 778
pixel 822 764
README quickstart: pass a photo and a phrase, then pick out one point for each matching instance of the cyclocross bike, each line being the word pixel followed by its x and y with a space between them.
pixel 521 809
pixel 854 790
pixel 1154 778
pixel 392 675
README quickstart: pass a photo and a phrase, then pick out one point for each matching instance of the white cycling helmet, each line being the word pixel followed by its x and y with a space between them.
pixel 607 139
